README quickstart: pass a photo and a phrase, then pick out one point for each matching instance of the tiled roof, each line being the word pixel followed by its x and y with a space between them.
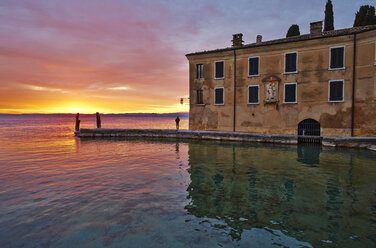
pixel 326 34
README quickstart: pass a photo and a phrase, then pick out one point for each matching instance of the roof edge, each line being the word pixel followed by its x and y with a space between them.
pixel 304 37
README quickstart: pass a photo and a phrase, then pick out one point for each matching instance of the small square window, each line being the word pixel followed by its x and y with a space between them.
pixel 290 93
pixel 199 99
pixel 219 96
pixel 337 58
pixel 336 91
pixel 200 71
pixel 253 66
pixel 253 94
pixel 219 69
pixel 290 62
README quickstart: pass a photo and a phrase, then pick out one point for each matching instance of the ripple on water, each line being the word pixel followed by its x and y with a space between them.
pixel 60 191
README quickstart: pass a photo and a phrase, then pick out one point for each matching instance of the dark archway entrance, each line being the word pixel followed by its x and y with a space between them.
pixel 309 131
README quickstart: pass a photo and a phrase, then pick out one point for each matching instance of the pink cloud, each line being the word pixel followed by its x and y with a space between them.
pixel 87 46
pixel 72 46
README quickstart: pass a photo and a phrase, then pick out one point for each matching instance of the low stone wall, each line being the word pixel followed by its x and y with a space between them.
pixel 358 142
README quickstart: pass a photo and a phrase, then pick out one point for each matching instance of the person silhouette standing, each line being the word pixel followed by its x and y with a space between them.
pixel 177 120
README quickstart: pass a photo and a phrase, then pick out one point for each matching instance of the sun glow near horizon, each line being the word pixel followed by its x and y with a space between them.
pixel 90 109
pixel 124 56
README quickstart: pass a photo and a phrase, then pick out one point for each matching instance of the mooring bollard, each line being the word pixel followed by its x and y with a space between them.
pixel 99 125
pixel 78 122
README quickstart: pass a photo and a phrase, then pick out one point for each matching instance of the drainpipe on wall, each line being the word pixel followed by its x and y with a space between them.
pixel 237 41
pixel 353 88
pixel 234 129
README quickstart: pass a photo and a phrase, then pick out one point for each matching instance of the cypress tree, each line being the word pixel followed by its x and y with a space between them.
pixel 365 16
pixel 329 18
pixel 293 31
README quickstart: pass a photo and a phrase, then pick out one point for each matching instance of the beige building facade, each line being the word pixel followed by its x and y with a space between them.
pixel 322 83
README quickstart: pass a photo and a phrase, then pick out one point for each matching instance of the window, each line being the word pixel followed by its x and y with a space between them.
pixel 336 88
pixel 218 96
pixel 290 62
pixel 253 66
pixel 200 71
pixel 253 94
pixel 290 93
pixel 337 57
pixel 199 99
pixel 219 69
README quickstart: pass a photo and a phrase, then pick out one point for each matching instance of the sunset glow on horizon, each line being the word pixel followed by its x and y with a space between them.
pixel 128 56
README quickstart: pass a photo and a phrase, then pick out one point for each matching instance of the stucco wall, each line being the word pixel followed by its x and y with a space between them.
pixel 312 81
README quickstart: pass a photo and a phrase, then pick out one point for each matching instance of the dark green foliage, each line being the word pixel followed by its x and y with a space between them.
pixel 329 18
pixel 293 31
pixel 365 16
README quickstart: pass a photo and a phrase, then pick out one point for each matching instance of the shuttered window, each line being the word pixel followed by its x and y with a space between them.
pixel 290 62
pixel 253 66
pixel 290 93
pixel 200 71
pixel 337 55
pixel 219 69
pixel 199 99
pixel 336 91
pixel 219 96
pixel 253 94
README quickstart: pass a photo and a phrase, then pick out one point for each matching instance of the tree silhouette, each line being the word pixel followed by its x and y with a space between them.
pixel 329 18
pixel 365 16
pixel 293 31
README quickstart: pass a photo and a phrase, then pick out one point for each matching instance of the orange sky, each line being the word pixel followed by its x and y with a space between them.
pixel 60 57
pixel 128 56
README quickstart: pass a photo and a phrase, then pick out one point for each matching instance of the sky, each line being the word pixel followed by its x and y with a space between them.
pixel 128 56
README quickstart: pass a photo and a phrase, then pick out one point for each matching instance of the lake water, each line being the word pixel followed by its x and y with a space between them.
pixel 57 190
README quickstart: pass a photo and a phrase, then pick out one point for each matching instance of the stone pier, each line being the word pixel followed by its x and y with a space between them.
pixel 355 142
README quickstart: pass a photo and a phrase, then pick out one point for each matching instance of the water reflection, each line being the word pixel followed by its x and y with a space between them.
pixel 309 154
pixel 239 189
pixel 61 191
pixel 177 150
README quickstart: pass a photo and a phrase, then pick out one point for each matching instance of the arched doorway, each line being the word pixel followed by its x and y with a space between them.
pixel 310 128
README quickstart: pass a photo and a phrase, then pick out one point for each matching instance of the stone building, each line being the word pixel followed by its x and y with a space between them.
pixel 322 83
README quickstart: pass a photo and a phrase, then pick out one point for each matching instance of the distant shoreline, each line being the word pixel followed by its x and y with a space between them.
pixel 182 114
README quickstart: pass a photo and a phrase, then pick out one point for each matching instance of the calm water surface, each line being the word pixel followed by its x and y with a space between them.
pixel 59 191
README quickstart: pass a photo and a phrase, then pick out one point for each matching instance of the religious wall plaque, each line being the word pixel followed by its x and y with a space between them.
pixel 271 89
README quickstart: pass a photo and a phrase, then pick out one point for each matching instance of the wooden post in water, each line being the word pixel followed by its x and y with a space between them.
pixel 77 122
pixel 99 125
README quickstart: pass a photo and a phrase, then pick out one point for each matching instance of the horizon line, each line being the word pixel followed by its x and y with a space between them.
pixel 93 113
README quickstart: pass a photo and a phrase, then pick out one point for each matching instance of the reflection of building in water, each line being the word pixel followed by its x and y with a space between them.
pixel 333 207
pixel 225 185
pixel 309 153
pixel 245 187
pixel 217 190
